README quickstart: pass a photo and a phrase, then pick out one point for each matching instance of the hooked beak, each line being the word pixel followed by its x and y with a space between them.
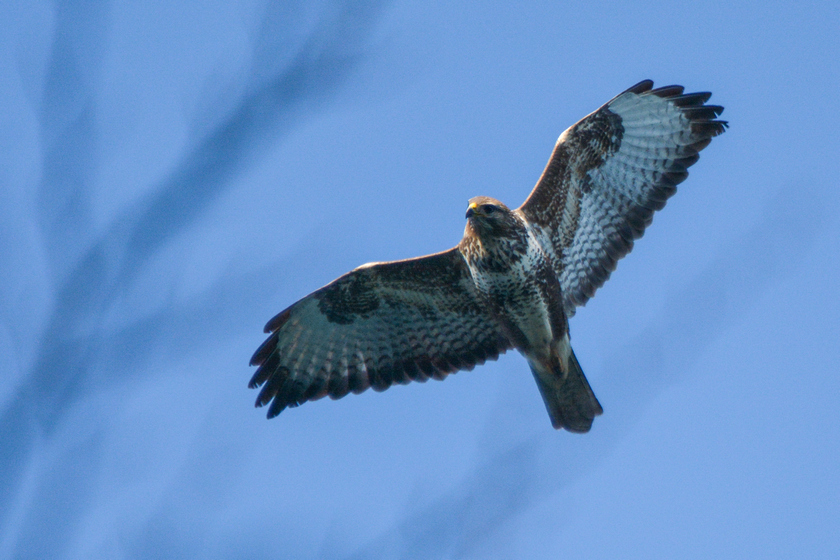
pixel 471 209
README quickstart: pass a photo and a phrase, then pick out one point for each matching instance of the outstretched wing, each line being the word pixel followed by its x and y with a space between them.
pixel 609 173
pixel 380 324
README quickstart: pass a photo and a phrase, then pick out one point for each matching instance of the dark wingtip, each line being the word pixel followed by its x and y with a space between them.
pixel 275 409
pixel 709 129
pixel 695 99
pixel 702 117
pixel 269 395
pixel 702 112
pixel 641 87
pixel 277 321
pixel 580 428
pixel 264 351
pixel 668 91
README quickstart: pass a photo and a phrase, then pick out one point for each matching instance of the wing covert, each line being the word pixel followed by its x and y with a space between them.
pixel 380 324
pixel 607 176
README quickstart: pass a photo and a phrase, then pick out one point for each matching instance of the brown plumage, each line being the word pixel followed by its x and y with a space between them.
pixel 514 279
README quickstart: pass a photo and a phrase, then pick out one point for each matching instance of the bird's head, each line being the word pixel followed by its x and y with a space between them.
pixel 487 215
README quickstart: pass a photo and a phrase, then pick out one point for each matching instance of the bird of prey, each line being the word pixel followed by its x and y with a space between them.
pixel 513 281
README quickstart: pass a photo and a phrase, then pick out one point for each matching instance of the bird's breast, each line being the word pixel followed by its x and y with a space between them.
pixel 517 287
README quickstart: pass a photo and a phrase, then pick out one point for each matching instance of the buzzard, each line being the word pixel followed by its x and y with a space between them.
pixel 514 279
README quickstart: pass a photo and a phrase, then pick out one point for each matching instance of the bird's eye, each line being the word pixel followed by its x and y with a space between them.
pixel 488 208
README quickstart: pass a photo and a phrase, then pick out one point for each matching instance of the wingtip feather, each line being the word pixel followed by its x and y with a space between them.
pixel 667 91
pixel 641 87
pixel 277 321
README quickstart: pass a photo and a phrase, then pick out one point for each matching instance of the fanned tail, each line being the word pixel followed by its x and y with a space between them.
pixel 569 399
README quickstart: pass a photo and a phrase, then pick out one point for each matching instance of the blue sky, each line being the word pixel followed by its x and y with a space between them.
pixel 175 174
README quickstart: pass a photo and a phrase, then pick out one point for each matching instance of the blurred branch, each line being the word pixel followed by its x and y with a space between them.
pixel 67 115
pixel 71 346
pixel 113 261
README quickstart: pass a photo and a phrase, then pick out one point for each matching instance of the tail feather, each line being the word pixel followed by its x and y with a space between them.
pixel 569 399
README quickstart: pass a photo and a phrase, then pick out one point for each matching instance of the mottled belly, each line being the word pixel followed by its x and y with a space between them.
pixel 522 311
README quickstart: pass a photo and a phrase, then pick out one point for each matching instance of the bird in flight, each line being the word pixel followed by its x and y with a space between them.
pixel 513 281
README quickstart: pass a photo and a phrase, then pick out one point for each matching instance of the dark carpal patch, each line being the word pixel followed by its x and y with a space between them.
pixel 595 139
pixel 428 312
pixel 347 299
pixel 587 146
